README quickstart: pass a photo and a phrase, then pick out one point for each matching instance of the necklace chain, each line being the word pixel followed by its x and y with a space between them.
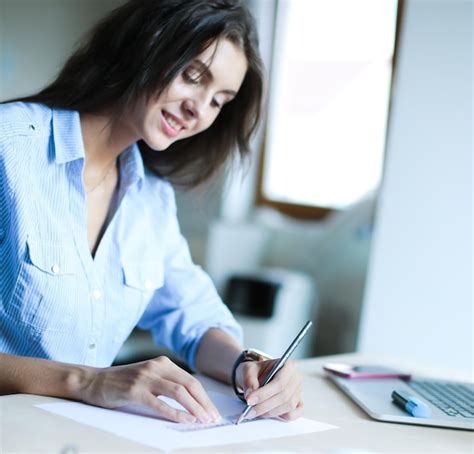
pixel 101 181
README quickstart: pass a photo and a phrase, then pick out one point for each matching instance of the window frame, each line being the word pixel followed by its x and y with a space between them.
pixel 313 212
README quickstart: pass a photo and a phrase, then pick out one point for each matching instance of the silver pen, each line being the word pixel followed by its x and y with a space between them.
pixel 278 365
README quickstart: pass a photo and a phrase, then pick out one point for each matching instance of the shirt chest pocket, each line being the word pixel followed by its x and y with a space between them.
pixel 47 286
pixel 143 276
pixel 55 259
pixel 141 279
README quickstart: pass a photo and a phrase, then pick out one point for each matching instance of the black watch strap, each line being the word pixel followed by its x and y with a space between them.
pixel 246 355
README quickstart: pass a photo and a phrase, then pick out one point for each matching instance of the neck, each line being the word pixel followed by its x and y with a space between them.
pixel 103 140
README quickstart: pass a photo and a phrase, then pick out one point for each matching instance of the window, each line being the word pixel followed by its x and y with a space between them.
pixel 328 104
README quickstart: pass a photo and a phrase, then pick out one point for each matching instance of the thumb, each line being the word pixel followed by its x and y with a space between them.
pixel 250 378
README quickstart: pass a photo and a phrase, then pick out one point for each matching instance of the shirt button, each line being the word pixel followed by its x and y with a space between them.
pixel 148 284
pixel 92 345
pixel 55 269
pixel 97 294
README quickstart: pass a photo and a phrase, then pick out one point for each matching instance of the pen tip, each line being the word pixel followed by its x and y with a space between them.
pixel 239 420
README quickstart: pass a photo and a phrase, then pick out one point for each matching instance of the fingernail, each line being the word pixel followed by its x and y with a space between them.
pixel 188 418
pixel 206 418
pixel 216 416
pixel 247 392
pixel 252 414
pixel 252 401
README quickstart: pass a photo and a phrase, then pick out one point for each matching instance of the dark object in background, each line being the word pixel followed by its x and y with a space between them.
pixel 251 296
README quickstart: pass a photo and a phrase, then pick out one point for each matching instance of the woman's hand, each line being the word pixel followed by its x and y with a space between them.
pixel 280 397
pixel 140 383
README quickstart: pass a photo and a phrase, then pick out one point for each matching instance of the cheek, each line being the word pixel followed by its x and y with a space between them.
pixel 143 115
pixel 151 118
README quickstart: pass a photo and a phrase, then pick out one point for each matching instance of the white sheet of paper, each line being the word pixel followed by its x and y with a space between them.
pixel 143 426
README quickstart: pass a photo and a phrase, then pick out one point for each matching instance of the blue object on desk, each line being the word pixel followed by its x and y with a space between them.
pixel 411 404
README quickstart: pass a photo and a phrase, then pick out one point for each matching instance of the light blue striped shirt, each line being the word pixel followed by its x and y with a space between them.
pixel 56 300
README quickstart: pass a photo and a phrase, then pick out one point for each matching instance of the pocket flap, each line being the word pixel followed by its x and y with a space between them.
pixel 143 275
pixel 53 258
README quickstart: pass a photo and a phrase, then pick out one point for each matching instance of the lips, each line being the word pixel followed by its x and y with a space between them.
pixel 175 122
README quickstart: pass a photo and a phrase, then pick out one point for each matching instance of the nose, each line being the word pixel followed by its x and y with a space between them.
pixel 192 108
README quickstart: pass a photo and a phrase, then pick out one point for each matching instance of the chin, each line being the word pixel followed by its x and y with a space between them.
pixel 158 145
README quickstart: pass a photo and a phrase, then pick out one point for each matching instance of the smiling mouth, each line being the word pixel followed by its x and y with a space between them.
pixel 172 121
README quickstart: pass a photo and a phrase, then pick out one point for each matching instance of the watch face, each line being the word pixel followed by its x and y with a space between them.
pixel 256 355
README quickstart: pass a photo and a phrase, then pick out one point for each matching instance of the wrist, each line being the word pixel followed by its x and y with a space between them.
pixel 78 382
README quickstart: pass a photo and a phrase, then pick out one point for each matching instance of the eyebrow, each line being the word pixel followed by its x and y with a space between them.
pixel 205 70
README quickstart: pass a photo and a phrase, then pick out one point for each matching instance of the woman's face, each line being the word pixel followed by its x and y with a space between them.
pixel 194 98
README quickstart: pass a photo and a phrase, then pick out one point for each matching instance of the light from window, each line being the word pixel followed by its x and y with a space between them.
pixel 330 87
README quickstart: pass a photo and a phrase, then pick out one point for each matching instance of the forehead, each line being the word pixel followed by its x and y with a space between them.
pixel 227 63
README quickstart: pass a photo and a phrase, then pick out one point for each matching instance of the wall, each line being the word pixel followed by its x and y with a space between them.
pixel 37 35
pixel 419 298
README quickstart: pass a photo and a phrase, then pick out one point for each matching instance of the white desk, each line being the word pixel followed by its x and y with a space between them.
pixel 26 429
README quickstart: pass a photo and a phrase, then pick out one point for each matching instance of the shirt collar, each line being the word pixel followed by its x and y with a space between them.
pixel 67 135
pixel 69 146
pixel 132 169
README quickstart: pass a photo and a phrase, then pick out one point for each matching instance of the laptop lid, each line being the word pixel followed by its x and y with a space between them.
pixel 374 396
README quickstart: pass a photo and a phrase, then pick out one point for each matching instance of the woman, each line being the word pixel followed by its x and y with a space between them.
pixel 161 92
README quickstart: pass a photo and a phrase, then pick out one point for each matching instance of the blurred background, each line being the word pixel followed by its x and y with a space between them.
pixel 354 92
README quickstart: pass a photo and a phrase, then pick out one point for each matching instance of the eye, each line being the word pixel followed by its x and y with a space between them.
pixel 214 103
pixel 192 76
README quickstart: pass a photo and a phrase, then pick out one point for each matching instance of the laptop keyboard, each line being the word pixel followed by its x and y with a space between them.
pixel 453 398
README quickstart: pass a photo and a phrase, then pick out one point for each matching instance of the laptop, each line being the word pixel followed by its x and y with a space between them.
pixel 451 403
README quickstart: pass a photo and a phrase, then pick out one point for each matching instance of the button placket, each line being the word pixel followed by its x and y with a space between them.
pixel 96 293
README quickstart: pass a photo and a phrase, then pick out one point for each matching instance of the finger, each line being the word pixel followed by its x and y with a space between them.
pixel 287 394
pixel 171 372
pixel 181 395
pixel 165 410
pixel 280 385
pixel 285 408
pixel 295 414
pixel 196 390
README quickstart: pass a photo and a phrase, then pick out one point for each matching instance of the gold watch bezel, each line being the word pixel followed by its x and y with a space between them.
pixel 256 355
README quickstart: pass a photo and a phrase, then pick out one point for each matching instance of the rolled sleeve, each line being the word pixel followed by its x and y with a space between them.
pixel 187 305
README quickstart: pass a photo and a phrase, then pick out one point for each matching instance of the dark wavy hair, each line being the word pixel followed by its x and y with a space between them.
pixel 138 49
